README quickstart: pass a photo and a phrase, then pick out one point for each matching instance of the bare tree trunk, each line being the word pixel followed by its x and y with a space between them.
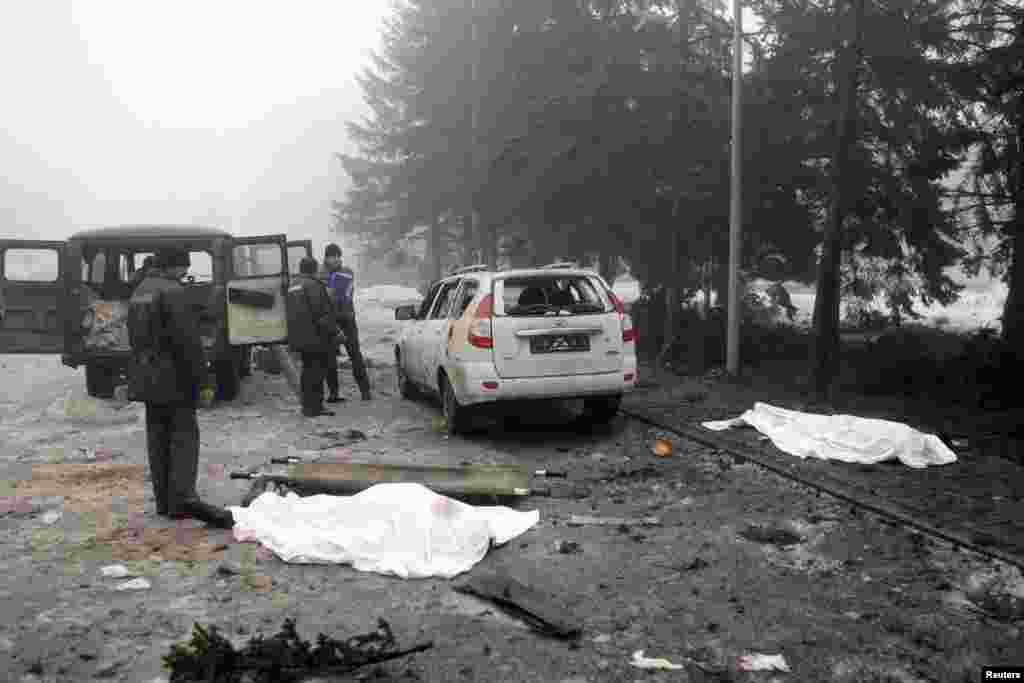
pixel 708 270
pixel 490 246
pixel 609 267
pixel 671 291
pixel 1013 309
pixel 435 247
pixel 825 361
pixel 466 252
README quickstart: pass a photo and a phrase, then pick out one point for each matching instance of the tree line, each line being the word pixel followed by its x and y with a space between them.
pixel 883 142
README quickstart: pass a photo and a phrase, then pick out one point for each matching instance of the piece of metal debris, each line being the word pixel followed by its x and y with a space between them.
pixel 759 662
pixel 115 571
pixel 586 520
pixel 641 662
pixel 544 612
pixel 139 584
pixel 771 535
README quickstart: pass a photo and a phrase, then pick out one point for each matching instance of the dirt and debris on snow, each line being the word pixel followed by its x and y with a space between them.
pixel 841 596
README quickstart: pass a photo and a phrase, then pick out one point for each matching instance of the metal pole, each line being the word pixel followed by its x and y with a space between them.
pixel 732 365
pixel 477 229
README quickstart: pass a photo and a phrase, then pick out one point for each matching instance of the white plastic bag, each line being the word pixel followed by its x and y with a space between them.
pixel 402 529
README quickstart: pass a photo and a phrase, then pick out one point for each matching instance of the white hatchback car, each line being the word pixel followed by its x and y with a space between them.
pixel 481 337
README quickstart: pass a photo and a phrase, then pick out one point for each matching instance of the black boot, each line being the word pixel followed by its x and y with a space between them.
pixel 335 399
pixel 212 515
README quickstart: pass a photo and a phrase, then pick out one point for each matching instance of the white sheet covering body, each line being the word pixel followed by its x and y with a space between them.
pixel 401 529
pixel 841 437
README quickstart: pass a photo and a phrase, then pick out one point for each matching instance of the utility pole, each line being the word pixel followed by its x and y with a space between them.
pixel 476 227
pixel 732 364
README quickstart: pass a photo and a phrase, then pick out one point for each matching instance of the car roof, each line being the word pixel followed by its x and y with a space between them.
pixel 149 232
pixel 520 272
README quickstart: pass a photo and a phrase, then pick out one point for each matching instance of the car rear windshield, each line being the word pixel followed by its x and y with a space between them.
pixel 551 295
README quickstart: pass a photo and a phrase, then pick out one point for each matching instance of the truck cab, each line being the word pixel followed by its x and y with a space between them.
pixel 71 297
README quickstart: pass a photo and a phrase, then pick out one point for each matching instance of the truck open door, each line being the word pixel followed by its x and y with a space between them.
pixel 297 251
pixel 31 296
pixel 257 287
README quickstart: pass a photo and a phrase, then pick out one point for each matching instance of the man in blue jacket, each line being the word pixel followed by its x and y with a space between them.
pixel 340 281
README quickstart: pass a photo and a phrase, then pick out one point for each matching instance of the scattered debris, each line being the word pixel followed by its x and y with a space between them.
pixel 662 448
pixel 355 435
pixel 567 547
pixel 772 535
pixel 227 569
pixel 586 520
pixel 543 612
pixel 261 583
pixel 998 594
pixel 115 571
pixel 51 516
pixel 285 657
pixel 139 584
pixel 641 662
pixel 759 662
pixel 602 638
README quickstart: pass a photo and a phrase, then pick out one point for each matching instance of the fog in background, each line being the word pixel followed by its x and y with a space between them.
pixel 226 113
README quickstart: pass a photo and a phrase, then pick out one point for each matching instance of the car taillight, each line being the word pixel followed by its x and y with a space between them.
pixel 480 330
pixel 629 334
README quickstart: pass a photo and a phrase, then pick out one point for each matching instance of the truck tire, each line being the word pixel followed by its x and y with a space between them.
pixel 228 379
pixel 245 361
pixel 100 381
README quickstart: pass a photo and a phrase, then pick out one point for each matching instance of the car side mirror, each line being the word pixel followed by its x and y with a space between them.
pixel 405 313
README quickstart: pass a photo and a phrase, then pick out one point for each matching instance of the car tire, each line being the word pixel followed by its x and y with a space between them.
pixel 228 380
pixel 406 388
pixel 601 410
pixel 456 415
pixel 100 381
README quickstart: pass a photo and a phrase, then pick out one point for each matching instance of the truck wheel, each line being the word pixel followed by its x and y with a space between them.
pixel 99 381
pixel 228 380
pixel 245 361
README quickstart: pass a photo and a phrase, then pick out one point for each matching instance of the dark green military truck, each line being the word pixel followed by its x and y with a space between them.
pixel 71 297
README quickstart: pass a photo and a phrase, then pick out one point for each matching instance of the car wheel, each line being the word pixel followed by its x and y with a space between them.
pixel 601 410
pixel 99 381
pixel 455 415
pixel 406 389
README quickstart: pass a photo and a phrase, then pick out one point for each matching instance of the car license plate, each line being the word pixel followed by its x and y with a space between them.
pixel 560 343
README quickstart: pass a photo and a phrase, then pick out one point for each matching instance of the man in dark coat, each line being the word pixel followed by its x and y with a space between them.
pixel 340 282
pixel 142 272
pixel 169 367
pixel 313 333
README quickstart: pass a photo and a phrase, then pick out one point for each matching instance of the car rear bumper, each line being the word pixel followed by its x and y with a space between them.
pixel 470 389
